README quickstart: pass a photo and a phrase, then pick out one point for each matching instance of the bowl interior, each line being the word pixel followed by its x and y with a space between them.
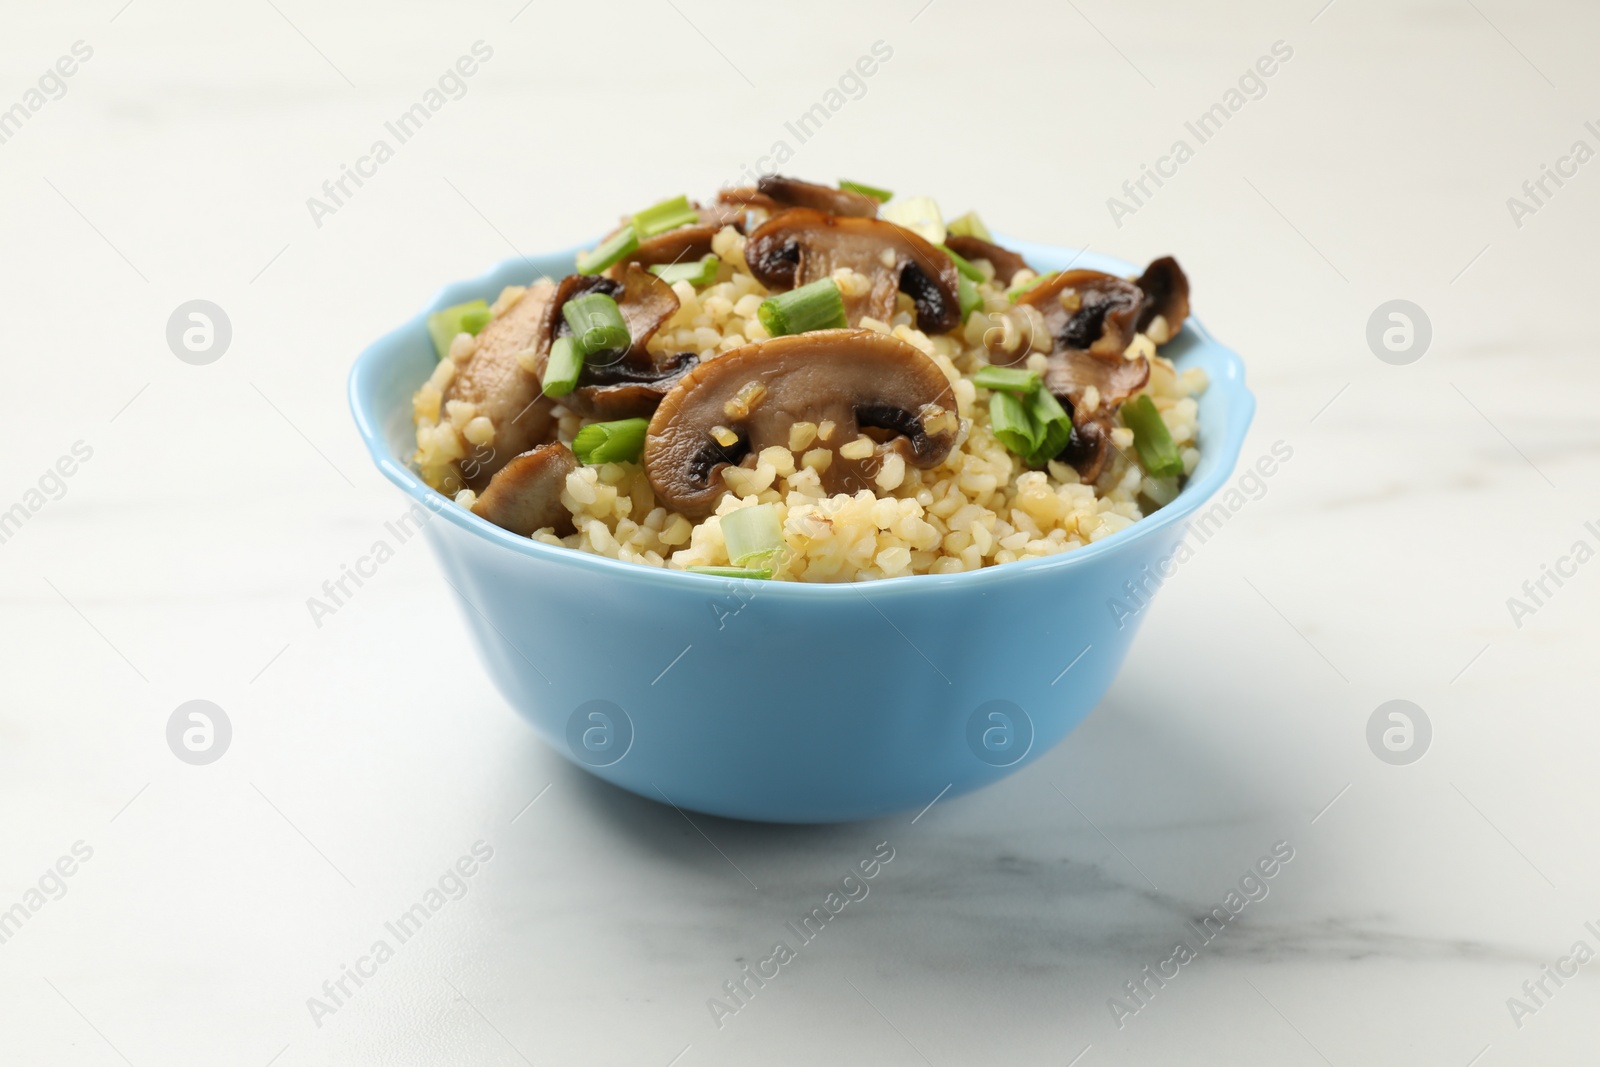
pixel 390 370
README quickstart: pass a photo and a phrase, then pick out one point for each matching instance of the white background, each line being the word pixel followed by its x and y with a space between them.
pixel 370 753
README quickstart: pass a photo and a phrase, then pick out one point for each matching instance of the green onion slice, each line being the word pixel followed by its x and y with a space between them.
pixel 756 573
pixel 880 195
pixel 752 534
pixel 562 368
pixel 967 296
pixel 1012 423
pixel 611 442
pixel 963 265
pixel 970 225
pixel 696 274
pixel 597 324
pixel 613 248
pixel 667 215
pixel 1012 379
pixel 443 325
pixel 1054 423
pixel 1158 455
pixel 818 306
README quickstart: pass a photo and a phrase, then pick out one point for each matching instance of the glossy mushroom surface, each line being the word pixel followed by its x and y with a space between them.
pixel 525 495
pixel 494 381
pixel 1166 300
pixel 803 245
pixel 792 192
pixel 727 410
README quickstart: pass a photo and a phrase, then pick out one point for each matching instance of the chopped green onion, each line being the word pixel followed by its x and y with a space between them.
pixel 475 320
pixel 752 534
pixel 970 225
pixel 966 268
pixel 757 573
pixel 443 325
pixel 880 195
pixel 919 214
pixel 818 306
pixel 613 248
pixel 696 274
pixel 1012 294
pixel 1055 426
pixel 597 324
pixel 1157 454
pixel 562 367
pixel 611 442
pixel 1012 424
pixel 967 296
pixel 667 215
pixel 1012 379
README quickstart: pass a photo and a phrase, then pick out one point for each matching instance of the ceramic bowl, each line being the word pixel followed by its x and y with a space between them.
pixel 783 701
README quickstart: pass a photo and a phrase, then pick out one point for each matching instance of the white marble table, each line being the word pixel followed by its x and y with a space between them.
pixel 175 562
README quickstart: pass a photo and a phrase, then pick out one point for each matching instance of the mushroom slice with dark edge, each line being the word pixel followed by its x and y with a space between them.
pixel 792 192
pixel 1089 447
pixel 803 245
pixel 644 300
pixel 626 390
pixel 1166 297
pixel 494 381
pixel 1006 262
pixel 728 409
pixel 683 245
pixel 525 494
pixel 1087 309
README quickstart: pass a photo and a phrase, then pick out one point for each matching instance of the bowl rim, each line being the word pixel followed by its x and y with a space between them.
pixel 1224 453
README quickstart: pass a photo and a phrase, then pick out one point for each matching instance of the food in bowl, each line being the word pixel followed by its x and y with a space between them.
pixel 806 383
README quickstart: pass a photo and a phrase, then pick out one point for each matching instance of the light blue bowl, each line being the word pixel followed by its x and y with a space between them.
pixel 782 701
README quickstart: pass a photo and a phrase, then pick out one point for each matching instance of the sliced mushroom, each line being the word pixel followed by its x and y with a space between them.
pixel 1088 309
pixel 726 410
pixel 626 390
pixel 644 300
pixel 494 381
pixel 525 494
pixel 792 192
pixel 1071 372
pixel 1166 297
pixel 1089 448
pixel 1006 262
pixel 683 245
pixel 803 245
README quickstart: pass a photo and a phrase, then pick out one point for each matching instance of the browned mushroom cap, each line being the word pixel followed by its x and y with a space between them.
pixel 683 245
pixel 509 396
pixel 1006 262
pixel 802 245
pixel 1166 296
pixel 792 192
pixel 1089 447
pixel 728 409
pixel 1072 371
pixel 626 390
pixel 1088 310
pixel 525 494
